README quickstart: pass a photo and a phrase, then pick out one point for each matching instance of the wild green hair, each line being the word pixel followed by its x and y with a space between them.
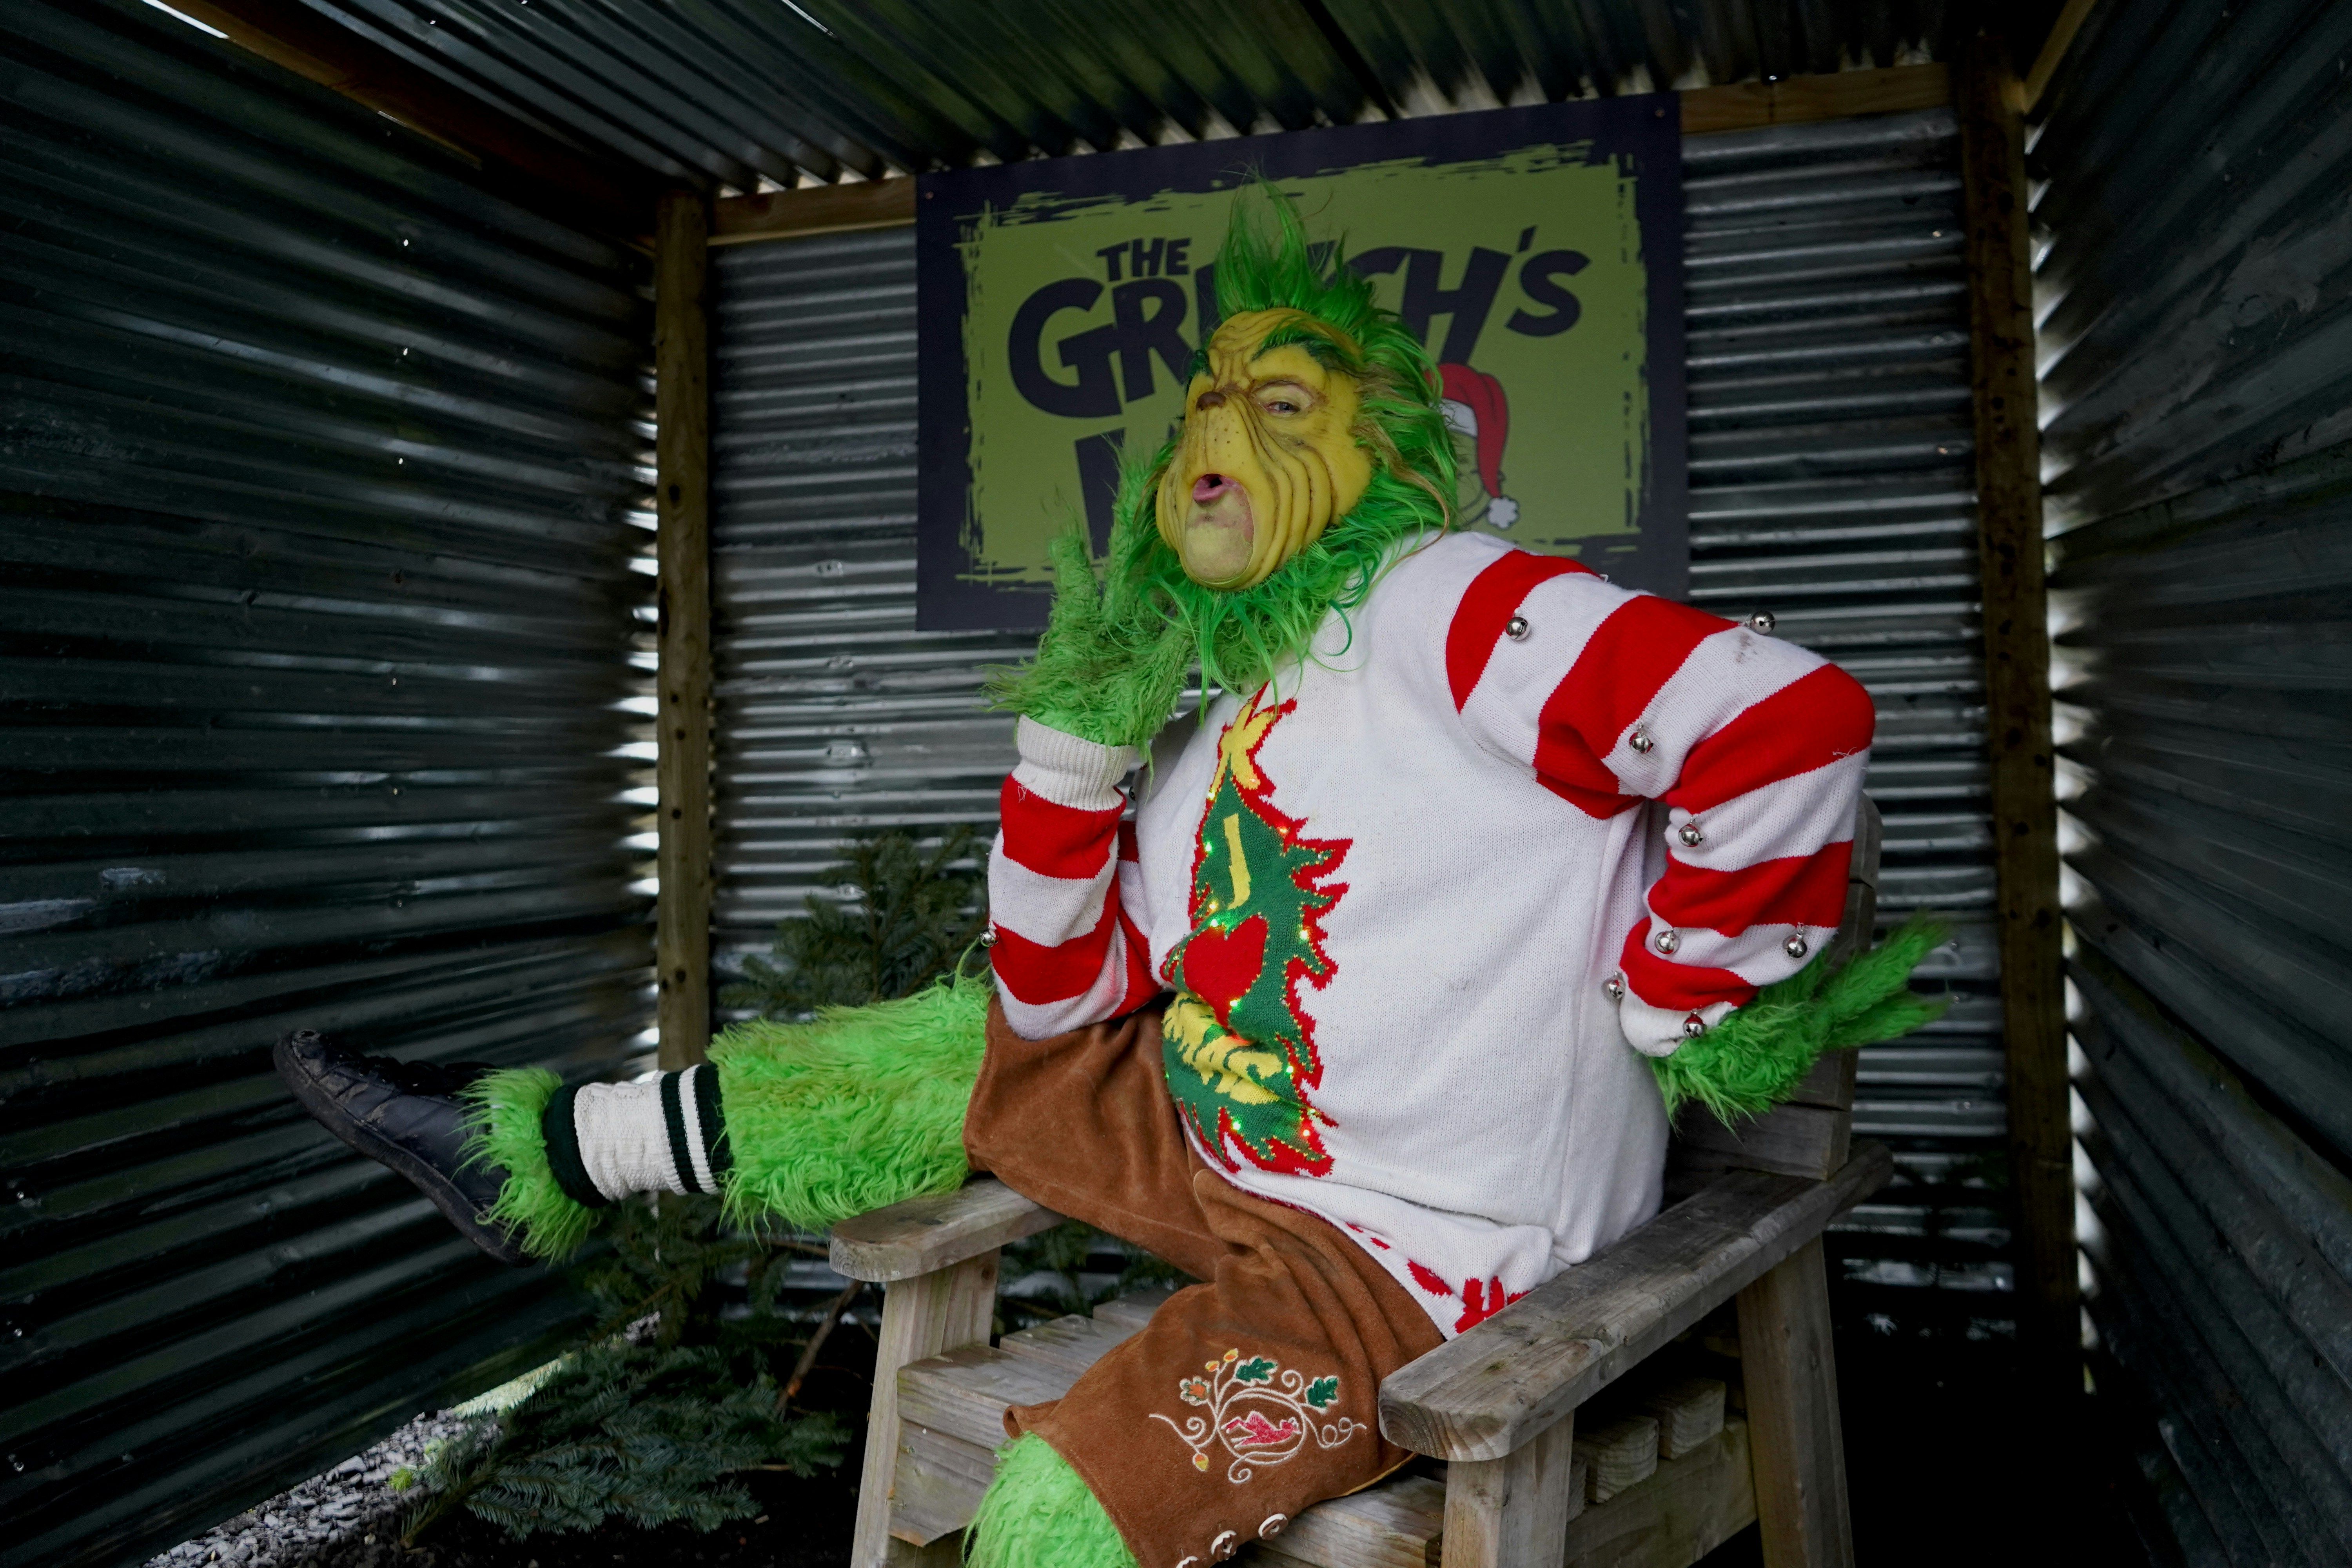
pixel 1239 637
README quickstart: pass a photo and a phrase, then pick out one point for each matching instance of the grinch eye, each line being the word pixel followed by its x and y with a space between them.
pixel 1281 405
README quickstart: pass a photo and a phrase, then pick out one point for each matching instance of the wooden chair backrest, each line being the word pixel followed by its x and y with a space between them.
pixel 1811 1134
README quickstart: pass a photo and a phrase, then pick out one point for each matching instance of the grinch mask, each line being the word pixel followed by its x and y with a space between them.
pixel 1268 458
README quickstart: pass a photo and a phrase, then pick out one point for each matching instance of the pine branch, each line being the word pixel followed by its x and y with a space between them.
pixel 907 917
pixel 645 1431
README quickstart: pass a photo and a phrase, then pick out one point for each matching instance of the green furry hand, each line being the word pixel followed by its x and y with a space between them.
pixel 1758 1056
pixel 1106 671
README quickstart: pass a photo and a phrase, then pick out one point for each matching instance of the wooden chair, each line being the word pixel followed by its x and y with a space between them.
pixel 1510 1482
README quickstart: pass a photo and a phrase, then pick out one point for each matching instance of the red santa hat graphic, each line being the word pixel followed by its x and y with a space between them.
pixel 1473 404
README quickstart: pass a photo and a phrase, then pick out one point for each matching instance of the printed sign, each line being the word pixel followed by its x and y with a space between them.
pixel 1537 252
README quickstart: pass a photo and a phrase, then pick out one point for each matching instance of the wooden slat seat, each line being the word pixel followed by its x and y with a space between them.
pixel 1074 1342
pixel 952 1409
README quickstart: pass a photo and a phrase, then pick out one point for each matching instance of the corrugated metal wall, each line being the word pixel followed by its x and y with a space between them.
pixel 2195 294
pixel 1832 484
pixel 834 715
pixel 318 481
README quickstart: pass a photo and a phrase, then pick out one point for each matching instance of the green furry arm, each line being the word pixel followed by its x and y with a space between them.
pixel 1758 1055
pixel 1037 1513
pixel 1102 674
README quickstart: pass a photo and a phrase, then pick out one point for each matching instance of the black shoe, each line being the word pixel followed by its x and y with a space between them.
pixel 405 1115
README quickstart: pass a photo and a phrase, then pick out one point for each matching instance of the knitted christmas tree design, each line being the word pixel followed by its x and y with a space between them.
pixel 1239 1041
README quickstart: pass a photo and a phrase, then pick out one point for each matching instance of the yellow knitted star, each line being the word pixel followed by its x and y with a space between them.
pixel 1235 746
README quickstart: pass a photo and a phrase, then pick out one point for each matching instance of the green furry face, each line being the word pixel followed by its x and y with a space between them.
pixel 1268 455
pixel 1246 628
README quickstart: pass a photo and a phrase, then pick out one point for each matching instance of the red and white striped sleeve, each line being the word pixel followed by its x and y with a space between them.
pixel 1066 953
pixel 1756 747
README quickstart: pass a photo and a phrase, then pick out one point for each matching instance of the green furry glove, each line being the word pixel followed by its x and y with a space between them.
pixel 1105 671
pixel 1037 1513
pixel 1758 1056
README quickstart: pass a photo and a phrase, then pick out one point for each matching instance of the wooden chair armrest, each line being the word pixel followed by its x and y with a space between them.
pixel 923 1234
pixel 1502 1384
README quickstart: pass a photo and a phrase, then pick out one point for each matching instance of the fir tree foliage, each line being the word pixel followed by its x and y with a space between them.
pixel 677 1389
pixel 907 915
pixel 639 1432
pixel 674 1395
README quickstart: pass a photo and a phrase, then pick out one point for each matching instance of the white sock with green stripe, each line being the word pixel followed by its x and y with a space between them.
pixel 606 1141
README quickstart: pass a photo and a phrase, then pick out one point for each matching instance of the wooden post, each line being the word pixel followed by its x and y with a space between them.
pixel 942 1310
pixel 1513 1512
pixel 1791 1371
pixel 2017 698
pixel 682 510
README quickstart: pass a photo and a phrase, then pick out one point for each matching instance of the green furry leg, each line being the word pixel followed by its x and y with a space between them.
pixel 1037 1513
pixel 1758 1056
pixel 506 1107
pixel 861 1108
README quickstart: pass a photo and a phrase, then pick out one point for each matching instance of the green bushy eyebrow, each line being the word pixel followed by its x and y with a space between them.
pixel 1326 353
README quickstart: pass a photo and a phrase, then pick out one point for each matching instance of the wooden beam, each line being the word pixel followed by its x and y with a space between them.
pixel 2017 694
pixel 2054 49
pixel 529 164
pixel 682 544
pixel 816 209
pixel 1791 1369
pixel 885 204
pixel 1795 99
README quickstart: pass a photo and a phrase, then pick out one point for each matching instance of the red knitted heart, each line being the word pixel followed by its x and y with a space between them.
pixel 1220 966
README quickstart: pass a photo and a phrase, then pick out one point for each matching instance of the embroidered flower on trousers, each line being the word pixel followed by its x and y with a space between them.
pixel 1258 1412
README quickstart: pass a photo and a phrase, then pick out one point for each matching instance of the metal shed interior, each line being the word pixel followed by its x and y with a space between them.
pixel 327 449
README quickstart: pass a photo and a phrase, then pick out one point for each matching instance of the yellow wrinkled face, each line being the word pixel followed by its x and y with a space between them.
pixel 1268 456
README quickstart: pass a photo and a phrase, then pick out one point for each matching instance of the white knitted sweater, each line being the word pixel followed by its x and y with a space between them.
pixel 1428 898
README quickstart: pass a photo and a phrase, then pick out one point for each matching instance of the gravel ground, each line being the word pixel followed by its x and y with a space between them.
pixel 353 1502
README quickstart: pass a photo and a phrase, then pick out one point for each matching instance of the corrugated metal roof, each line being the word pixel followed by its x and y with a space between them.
pixel 730 93
pixel 321 476
pixel 1832 483
pixel 2197 400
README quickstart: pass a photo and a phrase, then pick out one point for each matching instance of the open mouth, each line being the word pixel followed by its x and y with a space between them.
pixel 1218 502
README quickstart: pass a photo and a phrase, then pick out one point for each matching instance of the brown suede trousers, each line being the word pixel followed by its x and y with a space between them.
pixel 1246 1398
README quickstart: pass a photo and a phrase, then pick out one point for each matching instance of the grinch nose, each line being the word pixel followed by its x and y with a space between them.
pixel 1209 487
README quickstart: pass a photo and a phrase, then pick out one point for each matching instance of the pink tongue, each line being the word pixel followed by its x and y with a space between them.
pixel 1209 487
